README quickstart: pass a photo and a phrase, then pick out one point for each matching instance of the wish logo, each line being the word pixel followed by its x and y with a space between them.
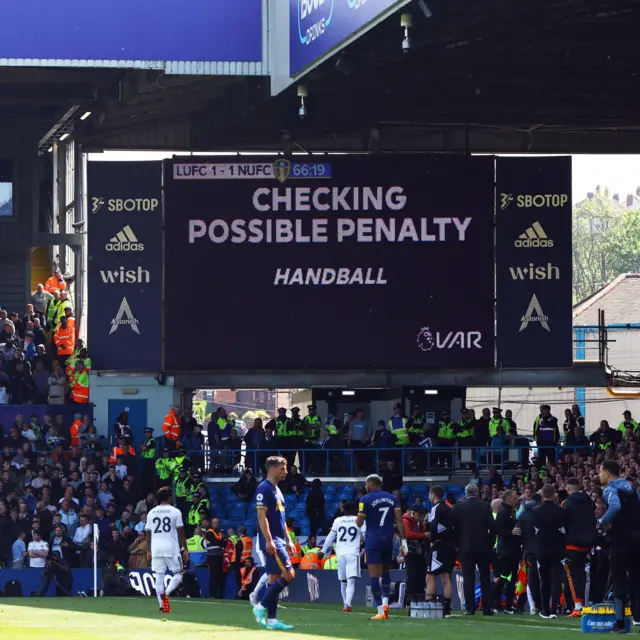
pixel 314 18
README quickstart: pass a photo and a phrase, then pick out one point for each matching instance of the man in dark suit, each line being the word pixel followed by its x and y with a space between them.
pixel 475 526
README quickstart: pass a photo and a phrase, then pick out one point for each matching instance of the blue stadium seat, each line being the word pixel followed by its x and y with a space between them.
pixel 455 488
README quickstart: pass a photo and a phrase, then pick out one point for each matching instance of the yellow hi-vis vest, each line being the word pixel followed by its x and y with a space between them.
pixel 401 434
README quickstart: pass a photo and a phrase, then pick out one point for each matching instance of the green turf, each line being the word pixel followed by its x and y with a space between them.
pixel 126 618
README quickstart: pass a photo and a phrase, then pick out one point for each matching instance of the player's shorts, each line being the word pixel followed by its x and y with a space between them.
pixel 348 567
pixel 441 560
pixel 379 551
pixel 279 563
pixel 164 565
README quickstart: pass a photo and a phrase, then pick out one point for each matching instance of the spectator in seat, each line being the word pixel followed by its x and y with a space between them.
pixel 20 381
pixel 14 440
pixel 189 423
pixel 39 336
pixel 138 552
pixel 193 443
pixel 40 299
pixel 8 333
pixel 29 347
pixel 233 445
pixel 57 385
pixel 245 488
pixel 391 477
pixel 68 516
pixel 19 552
pixel 295 482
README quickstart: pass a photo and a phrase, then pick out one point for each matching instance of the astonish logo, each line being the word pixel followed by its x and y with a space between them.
pixel 314 17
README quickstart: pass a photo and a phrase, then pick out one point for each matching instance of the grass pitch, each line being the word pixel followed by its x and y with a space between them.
pixel 126 618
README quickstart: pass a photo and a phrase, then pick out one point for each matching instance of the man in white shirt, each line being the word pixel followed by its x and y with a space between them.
pixel 38 551
pixel 167 546
pixel 345 536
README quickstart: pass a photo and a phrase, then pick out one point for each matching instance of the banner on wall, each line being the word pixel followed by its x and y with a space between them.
pixel 319 28
pixel 359 262
pixel 125 31
pixel 534 262
pixel 124 326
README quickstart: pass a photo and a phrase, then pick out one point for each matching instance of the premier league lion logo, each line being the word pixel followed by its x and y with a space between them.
pixel 282 170
pixel 425 339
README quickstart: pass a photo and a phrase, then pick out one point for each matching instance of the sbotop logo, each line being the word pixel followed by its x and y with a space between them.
pixel 428 340
pixel 534 200
pixel 314 18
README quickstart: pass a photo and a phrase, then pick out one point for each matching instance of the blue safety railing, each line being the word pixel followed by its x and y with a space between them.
pixel 409 461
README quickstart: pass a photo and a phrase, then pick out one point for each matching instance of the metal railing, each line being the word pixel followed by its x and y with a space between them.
pixel 408 461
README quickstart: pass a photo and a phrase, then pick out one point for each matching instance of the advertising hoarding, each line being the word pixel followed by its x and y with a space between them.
pixel 319 27
pixel 350 262
pixel 125 265
pixel 122 30
pixel 534 262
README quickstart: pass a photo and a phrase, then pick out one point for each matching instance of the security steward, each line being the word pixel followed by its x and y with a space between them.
pixel 508 552
pixel 582 534
pixel 249 577
pixel 415 427
pixel 622 525
pixel 465 429
pixel 446 438
pixel 148 455
pixel 124 451
pixel 296 432
pixel 415 560
pixel 197 548
pixel 197 511
pixel 216 543
pixel 311 425
pixel 549 526
pixel 397 424
pixel 547 435
pixel 497 421
pixel 283 439
pixel 164 470
pixel 183 489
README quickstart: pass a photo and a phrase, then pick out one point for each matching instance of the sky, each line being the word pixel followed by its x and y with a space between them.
pixel 621 173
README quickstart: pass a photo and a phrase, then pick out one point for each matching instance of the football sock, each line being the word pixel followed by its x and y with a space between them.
pixel 274 590
pixel 159 586
pixel 375 591
pixel 351 589
pixel 174 583
pixel 343 591
pixel 385 585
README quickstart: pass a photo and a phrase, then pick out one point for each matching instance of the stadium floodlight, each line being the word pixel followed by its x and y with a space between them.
pixel 348 393
pixel 430 392
pixel 406 22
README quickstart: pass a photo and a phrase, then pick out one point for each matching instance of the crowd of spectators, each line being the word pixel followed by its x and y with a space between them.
pixel 41 361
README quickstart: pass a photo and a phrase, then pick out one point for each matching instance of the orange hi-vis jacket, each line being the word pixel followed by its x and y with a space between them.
pixel 247 548
pixel 80 387
pixel 246 576
pixel 65 340
pixel 120 451
pixel 310 561
pixel 53 284
pixel 74 431
pixel 171 426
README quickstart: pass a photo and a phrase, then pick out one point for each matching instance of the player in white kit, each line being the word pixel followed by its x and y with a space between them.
pixel 345 536
pixel 167 546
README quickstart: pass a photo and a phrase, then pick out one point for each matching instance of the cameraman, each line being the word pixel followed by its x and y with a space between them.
pixel 58 570
pixel 622 525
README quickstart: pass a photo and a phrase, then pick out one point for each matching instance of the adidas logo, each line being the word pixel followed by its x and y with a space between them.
pixel 124 240
pixel 533 238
